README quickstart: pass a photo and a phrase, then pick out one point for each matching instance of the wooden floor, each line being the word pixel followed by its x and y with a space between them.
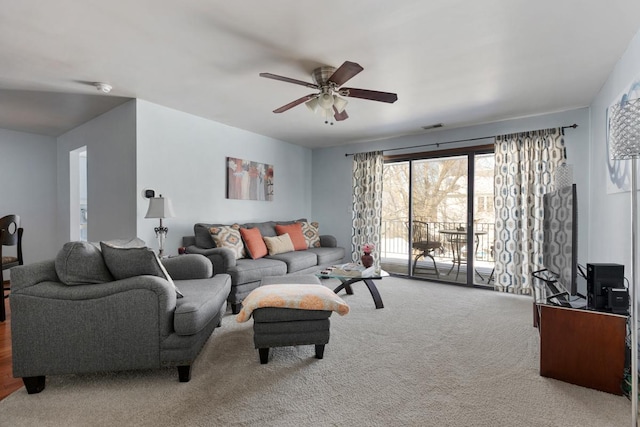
pixel 8 384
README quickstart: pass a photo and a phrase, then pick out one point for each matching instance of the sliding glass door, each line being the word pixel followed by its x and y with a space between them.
pixel 438 217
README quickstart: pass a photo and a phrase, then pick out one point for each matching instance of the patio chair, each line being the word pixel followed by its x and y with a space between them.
pixel 425 244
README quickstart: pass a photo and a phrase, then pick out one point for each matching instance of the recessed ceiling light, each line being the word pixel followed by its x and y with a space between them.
pixel 103 87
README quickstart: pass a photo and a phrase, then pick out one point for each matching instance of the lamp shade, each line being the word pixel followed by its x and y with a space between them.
pixel 160 207
pixel 339 103
pixel 312 104
pixel 624 130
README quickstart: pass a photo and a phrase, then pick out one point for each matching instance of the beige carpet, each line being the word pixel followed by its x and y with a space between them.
pixel 436 355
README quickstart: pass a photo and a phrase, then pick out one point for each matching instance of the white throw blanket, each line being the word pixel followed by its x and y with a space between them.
pixel 304 297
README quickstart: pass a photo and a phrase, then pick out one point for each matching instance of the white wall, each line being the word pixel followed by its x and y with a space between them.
pixel 111 175
pixel 183 157
pixel 28 177
pixel 331 178
pixel 610 217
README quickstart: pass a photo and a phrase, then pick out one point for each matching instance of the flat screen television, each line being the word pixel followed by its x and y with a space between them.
pixel 560 246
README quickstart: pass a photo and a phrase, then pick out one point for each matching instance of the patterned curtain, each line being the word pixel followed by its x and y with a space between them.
pixel 367 203
pixel 525 167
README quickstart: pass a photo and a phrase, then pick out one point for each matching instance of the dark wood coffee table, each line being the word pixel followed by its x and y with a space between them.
pixel 347 281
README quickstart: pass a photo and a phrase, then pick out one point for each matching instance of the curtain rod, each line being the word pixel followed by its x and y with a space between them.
pixel 437 144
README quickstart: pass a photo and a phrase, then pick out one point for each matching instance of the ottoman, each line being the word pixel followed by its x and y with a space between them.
pixel 286 325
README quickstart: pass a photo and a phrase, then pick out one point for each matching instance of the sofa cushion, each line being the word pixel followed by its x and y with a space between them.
pixel 267 228
pixel 250 270
pixel 328 256
pixel 203 299
pixel 297 260
pixel 228 236
pixel 295 233
pixel 311 233
pixel 81 263
pixel 202 235
pixel 279 244
pixel 253 242
pixel 125 262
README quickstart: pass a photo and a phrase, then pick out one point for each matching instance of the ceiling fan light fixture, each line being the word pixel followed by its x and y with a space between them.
pixel 339 103
pixel 312 104
pixel 325 100
pixel 327 115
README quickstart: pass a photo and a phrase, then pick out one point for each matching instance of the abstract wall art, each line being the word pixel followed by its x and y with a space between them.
pixel 247 180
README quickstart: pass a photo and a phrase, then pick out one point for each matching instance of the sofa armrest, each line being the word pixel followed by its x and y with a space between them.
pixel 221 258
pixel 188 266
pixel 328 241
pixel 28 275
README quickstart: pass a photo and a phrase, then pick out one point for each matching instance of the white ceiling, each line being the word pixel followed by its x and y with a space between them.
pixel 450 61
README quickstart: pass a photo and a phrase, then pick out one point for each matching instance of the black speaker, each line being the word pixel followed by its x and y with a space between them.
pixel 600 279
pixel 619 300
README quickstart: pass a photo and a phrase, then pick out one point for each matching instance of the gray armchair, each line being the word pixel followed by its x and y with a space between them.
pixel 138 322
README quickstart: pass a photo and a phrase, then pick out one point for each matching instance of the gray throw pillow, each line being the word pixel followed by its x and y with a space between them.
pixel 132 261
pixel 81 263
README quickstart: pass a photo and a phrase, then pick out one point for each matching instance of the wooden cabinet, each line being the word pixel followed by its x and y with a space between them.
pixel 582 347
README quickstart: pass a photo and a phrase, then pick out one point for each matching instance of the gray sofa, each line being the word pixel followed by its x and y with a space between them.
pixel 246 273
pixel 140 322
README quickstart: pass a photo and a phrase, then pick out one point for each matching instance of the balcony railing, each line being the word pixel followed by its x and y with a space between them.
pixel 395 239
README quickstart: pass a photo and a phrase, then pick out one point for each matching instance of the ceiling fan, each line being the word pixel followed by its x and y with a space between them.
pixel 328 101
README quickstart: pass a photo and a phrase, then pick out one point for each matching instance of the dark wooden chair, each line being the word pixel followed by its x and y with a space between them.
pixel 425 245
pixel 10 235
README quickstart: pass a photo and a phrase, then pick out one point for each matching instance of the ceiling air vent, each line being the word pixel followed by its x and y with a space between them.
pixel 436 126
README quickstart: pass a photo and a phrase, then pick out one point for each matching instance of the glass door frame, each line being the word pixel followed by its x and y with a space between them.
pixel 470 153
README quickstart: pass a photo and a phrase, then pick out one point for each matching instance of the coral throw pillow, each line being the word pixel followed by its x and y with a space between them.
pixel 295 233
pixel 254 243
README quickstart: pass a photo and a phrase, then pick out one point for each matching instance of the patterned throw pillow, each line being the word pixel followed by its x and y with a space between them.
pixel 311 232
pixel 228 236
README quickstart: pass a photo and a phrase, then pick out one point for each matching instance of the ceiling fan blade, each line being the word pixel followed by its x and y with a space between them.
pixel 340 116
pixel 345 72
pixel 373 95
pixel 289 80
pixel 294 103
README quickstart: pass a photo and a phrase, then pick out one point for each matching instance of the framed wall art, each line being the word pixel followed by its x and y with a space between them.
pixel 247 180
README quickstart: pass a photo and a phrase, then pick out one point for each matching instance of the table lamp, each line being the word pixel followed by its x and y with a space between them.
pixel 160 207
pixel 624 138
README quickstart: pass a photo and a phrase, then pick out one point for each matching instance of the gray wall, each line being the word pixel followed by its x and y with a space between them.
pixel 183 157
pixel 610 228
pixel 111 174
pixel 28 177
pixel 331 178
